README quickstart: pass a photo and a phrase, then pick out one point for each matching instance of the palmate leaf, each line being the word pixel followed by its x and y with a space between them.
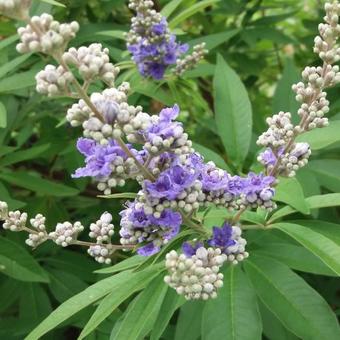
pixel 234 315
pixel 139 320
pixel 84 299
pixel 233 112
pixel 324 248
pixel 299 307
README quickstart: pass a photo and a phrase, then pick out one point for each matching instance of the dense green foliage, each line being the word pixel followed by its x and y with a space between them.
pixel 287 289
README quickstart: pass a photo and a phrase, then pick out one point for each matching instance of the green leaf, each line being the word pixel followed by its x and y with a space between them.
pixel 324 248
pixel 16 262
pixel 23 155
pixel 187 13
pixel 129 263
pixel 284 97
pixel 3 116
pixel 188 325
pixel 290 191
pixel 112 33
pixel 299 307
pixel 34 303
pixel 329 230
pixel 8 41
pixel 272 327
pixel 233 111
pixel 314 202
pixel 139 320
pixel 169 8
pixel 80 301
pixel 295 257
pixel 210 155
pixel 64 285
pixel 137 281
pixel 213 40
pixel 11 65
pixel 13 289
pixel 171 303
pixel 327 173
pixel 53 2
pixel 234 315
pixel 37 184
pixel 127 195
pixel 17 81
pixel 321 138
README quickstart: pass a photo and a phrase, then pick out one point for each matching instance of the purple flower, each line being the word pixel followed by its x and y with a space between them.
pixel 222 237
pixel 255 183
pixel 148 250
pixel 156 48
pixel 300 150
pixel 160 28
pixel 171 182
pixel 189 249
pixel 213 178
pixel 165 127
pixel 236 185
pixel 269 158
pixel 148 230
pixel 98 158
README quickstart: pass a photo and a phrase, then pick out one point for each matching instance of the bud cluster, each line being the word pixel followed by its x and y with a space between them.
pixel 54 81
pixel 92 62
pixel 197 276
pixel 66 233
pixel 325 43
pixel 102 232
pixel 190 61
pixel 17 9
pixel 15 221
pixel 44 34
pixel 40 235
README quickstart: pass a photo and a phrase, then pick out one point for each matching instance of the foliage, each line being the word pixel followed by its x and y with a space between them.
pixel 287 289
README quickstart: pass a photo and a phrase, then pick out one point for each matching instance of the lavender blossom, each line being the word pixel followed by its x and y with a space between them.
pixel 152 45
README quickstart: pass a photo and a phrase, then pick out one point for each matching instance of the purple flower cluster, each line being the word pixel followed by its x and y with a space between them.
pixel 172 182
pixel 153 59
pixel 152 45
pixel 137 227
pixel 101 159
pixel 182 184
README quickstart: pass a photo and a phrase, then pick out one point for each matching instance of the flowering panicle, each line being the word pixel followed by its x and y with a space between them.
pixel 154 47
pixel 283 155
pixel 121 142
